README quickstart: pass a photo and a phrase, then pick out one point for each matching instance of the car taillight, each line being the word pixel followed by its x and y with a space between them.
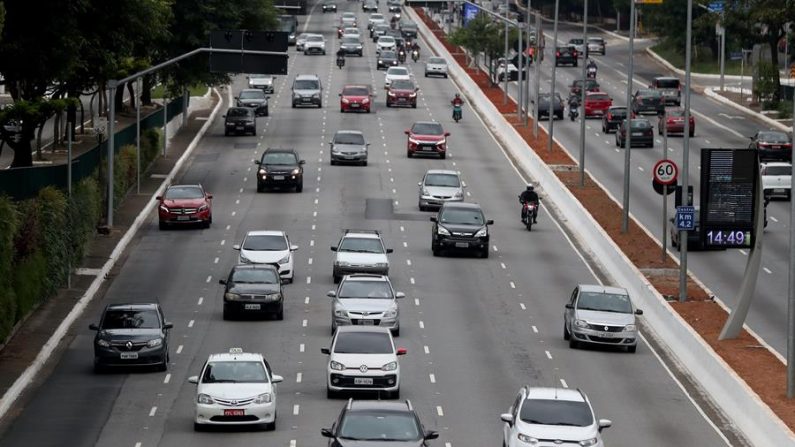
pixel 574 53
pixel 557 54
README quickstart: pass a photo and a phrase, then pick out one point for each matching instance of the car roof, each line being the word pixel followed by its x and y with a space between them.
pixel 666 78
pixel 379 405
pixel 379 329
pixel 186 185
pixel 462 205
pixel 777 163
pixel 279 149
pixel 367 86
pixel 548 393
pixel 246 109
pixel 265 233
pixel 254 267
pixel 425 122
pixel 441 171
pixel 132 306
pixel 351 132
pixel 307 76
pixel 368 277
pixel 251 90
pixel 602 289
pixel 361 235
pixel 235 357
pixel 595 92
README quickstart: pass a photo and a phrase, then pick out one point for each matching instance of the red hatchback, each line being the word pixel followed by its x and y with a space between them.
pixel 402 92
pixel 355 98
pixel 596 103
pixel 185 204
pixel 675 122
pixel 427 138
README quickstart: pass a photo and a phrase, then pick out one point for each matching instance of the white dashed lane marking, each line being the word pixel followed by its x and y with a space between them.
pixel 301 347
pixel 201 300
pixel 179 349
pixel 152 412
pixel 299 377
pixel 549 356
pixel 439 411
pixel 535 329
pixel 513 286
pixel 522 306
pixel 190 323
pixel 432 377
pixel 167 378
pixel 296 409
pixel 426 349
pixel 767 270
pixel 422 325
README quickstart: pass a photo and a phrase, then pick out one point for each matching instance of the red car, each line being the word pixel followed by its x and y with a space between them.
pixel 355 98
pixel 185 205
pixel 596 103
pixel 675 122
pixel 402 93
pixel 427 138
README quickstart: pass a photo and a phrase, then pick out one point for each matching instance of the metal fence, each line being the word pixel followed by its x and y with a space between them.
pixel 24 183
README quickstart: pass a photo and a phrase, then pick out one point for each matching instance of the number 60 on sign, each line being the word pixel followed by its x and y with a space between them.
pixel 665 172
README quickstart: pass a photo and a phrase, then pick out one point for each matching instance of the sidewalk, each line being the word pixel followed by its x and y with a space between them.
pixel 33 333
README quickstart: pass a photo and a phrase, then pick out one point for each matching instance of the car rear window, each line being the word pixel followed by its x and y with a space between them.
pixel 131 319
pixel 397 71
pixel 648 93
pixel 348 138
pixel 436 60
pixel 778 170
pixel 459 216
pixel 666 83
pixel 363 343
pixel 386 39
pixel 265 242
pixel 556 412
pixel 314 39
pixel 641 124
pixel 598 97
pixel 365 289
pixel 427 129
pixel 184 192
pixel 238 111
pixel 252 94
pixel 773 137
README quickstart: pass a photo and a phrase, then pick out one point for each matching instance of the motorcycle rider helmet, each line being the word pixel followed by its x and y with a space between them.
pixel 457 96
pixel 530 187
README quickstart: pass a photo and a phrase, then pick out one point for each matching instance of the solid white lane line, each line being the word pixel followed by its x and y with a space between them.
pixel 303 323
pixel 422 325
pixel 299 377
pixel 744 253
pixel 432 377
pixel 228 227
pixel 563 383
pixel 209 278
pixel 179 349
pixel 439 410
pixel 301 347
pixel 535 329
pixel 513 286
pixel 223 241
pixel 201 300
pixel 167 378
pixel 522 306
pixel 426 349
pixel 549 356
pixel 152 412
pixel 190 323
pixel 767 270
pixel 405 244
pixel 296 409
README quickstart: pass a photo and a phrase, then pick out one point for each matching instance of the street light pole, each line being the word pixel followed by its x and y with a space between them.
pixel 686 156
pixel 791 294
pixel 111 143
pixel 551 106
pixel 528 61
pixel 537 61
pixel 722 54
pixel 506 74
pixel 138 85
pixel 520 103
pixel 628 130
pixel 584 71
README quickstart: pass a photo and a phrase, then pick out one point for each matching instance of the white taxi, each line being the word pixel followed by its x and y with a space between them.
pixel 235 388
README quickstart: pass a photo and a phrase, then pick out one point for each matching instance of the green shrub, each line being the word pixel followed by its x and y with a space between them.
pixel 85 210
pixel 124 167
pixel 9 223
pixel 29 283
pixel 54 240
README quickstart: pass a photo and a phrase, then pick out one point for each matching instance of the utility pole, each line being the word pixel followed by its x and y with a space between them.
pixel 552 89
pixel 111 152
pixel 628 132
pixel 537 61
pixel 506 74
pixel 138 84
pixel 584 72
pixel 791 292
pixel 686 156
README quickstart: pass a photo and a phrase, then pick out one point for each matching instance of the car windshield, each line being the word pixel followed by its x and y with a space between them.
pixel 363 343
pixel 575 41
pixel 349 138
pixel 252 94
pixel 348 15
pixel 355 91
pixel 388 55
pixel 131 319
pixel 183 192
pixel 449 180
pixel 255 276
pixel 403 85
pixel 773 137
pixel 618 111
pixel 279 158
pixel 238 111
pixel 235 372
pixel 314 39
pixel 462 216
pixel 604 302
pixel 361 245
pixel 386 39
pixel 427 129
pixel 265 242
pixel 556 412
pixel 306 84
pixel 641 124
pixel 365 289
pixel 379 425
pixel 595 40
pixel 436 60
pixel 675 112
pixel 777 170
pixel 350 41
pixel 667 83
pixel 302 36
pixel 377 16
pixel 408 25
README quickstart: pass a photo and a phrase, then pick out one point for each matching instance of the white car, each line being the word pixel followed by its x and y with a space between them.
pixel 268 247
pixel 315 44
pixel 235 388
pixel 360 251
pixel 348 19
pixel 552 416
pixel 395 73
pixel 351 32
pixel 436 66
pixel 363 358
pixel 578 45
pixel 365 300
pixel 300 41
pixel 375 19
pixel 385 43
pixel 500 72
pixel 262 82
pixel 777 179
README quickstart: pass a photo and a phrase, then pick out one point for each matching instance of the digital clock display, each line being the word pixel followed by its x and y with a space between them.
pixel 728 238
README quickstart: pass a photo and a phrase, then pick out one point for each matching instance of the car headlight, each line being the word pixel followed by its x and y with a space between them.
pixel 204 208
pixel 391 94
pixel 336 366
pixel 345 101
pixel 164 208
pixel 103 343
pixel 580 323
pixel 528 439
pixel 366 101
pixel 392 313
pixel 264 398
pixel 483 232
pixel 342 313
pixel 441 142
pixel 413 140
pixel 589 442
pixel 358 47
pixel 412 95
pixel 297 95
pixel 232 296
pixel 205 399
pixel 296 171
pixel 316 95
pixel 155 342
pixel 442 231
pixel 273 297
pixel 244 259
pixel 343 263
pixel 380 61
pixel 630 328
pixel 262 171
pixel 458 194
pixel 391 366
pixel 284 260
pixel 425 191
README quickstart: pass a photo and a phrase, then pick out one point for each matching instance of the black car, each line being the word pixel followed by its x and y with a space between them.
pixel 648 101
pixel 408 29
pixel 369 5
pixel 543 106
pixel 253 98
pixel 378 30
pixel 566 56
pixel 131 335
pixel 612 119
pixel 253 288
pixel 240 120
pixel 590 86
pixel 280 168
pixel 460 226
pixel 387 59
pixel 772 145
pixel 329 6
pixel 642 133
pixel 393 5
pixel 376 422
pixel 351 45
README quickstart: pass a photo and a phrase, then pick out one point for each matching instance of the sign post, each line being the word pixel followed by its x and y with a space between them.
pixel 665 173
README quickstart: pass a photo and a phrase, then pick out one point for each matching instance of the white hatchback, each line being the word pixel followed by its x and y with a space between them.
pixel 268 247
pixel 385 43
pixel 235 388
pixel 777 179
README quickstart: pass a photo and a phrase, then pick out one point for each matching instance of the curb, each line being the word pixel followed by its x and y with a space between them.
pixel 681 72
pixel 732 395
pixel 710 92
pixel 22 382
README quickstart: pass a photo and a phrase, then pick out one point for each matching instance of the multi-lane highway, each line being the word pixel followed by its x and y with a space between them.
pixel 716 126
pixel 475 329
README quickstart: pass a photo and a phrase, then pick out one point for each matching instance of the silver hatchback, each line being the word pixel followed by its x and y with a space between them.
pixel 601 315
pixel 436 66
pixel 439 186
pixel 365 300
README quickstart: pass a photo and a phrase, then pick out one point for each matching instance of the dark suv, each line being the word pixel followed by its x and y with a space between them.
pixel 253 98
pixel 253 288
pixel 280 168
pixel 566 56
pixel 131 335
pixel 377 422
pixel 240 120
pixel 460 226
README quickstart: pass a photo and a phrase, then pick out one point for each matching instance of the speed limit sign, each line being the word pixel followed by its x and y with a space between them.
pixel 665 172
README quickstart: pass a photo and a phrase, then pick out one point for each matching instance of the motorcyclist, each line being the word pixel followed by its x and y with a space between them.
pixel 457 100
pixel 401 55
pixel 529 196
pixel 340 57
pixel 574 104
pixel 591 68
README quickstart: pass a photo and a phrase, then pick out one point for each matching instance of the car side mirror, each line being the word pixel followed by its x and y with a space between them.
pixel 333 248
pixel 390 250
pixel 236 247
pixel 325 351
pixel 93 327
pixel 222 281
pixel 604 423
pixel 209 196
pixel 419 183
pixel 301 162
pixel 340 95
pixel 193 379
pixel 507 417
pixel 223 116
pixel 431 435
pixel 256 162
pixel 277 379
pixel 236 98
pixel 400 295
pixel 168 325
pixel 490 222
pixel 293 248
pixel 326 433
pixel 433 219
pixel 638 311
pixel 331 293
pixel 406 132
pixel 569 306
pixel 447 134
pixel 402 351
pixel 159 198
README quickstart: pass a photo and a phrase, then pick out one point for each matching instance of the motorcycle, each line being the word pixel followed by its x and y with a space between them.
pixel 402 56
pixel 457 112
pixel 530 209
pixel 590 73
pixel 573 112
pixel 340 62
pixel 415 55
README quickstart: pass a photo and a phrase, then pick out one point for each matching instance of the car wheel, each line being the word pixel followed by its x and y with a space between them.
pixel 788 195
pixel 436 251
pixel 364 163
pixel 692 133
pixel 396 332
pixel 260 188
pixel 632 349
pixel 305 53
pixel 293 105
pixel 163 366
pixel 266 111
pixel 484 253
pixel 573 344
pixel 163 226
pixel 254 132
pixel 198 427
pixel 270 426
pixel 330 394
pixel 443 155
pixel 422 208
pixel 207 223
pixel 227 313
pixel 333 162
pixel 560 116
pixel 394 394
pixel 426 75
pixel 300 187
pixel 336 279
pixel 566 334
pixel 414 106
pixel 280 314
pixel 226 133
pixel 409 154
pixel 388 104
pixel 99 368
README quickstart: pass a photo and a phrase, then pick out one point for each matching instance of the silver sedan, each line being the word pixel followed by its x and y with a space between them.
pixel 439 186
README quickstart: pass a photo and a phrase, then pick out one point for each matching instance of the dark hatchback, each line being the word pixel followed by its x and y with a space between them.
pixel 772 145
pixel 543 106
pixel 566 56
pixel 131 335
pixel 613 118
pixel 642 133
pixel 648 101
pixel 372 423
pixel 240 120
pixel 254 289
pixel 387 59
pixel 460 226
pixel 590 86
pixel 253 98
pixel 280 168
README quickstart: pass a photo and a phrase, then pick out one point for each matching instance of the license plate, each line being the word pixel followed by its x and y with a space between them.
pixel 606 335
pixel 234 412
pixel 183 217
pixel 306 99
pixel 777 190
pixel 278 177
pixel 239 128
pixel 355 106
pixel 427 148
pixel 252 307
pixel 362 380
pixel 129 355
pixel 462 244
pixel 366 322
pixel 775 147
pixel 637 134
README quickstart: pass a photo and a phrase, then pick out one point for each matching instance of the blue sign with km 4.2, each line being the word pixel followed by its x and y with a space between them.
pixel 685 218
